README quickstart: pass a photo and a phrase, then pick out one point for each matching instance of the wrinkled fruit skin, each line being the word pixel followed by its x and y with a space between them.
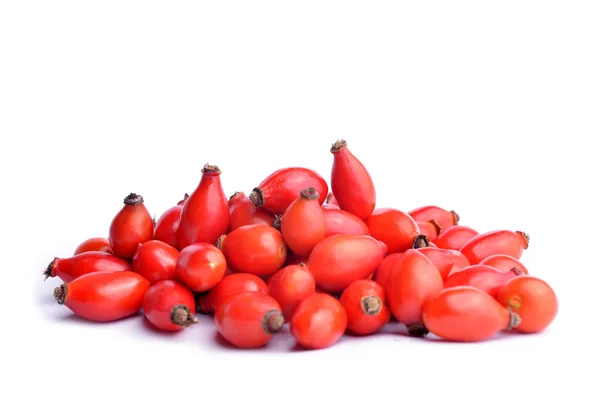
pixel 393 227
pixel 319 321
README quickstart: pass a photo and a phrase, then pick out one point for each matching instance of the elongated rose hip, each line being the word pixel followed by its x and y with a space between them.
pixel 444 218
pixel 504 262
pixel 70 268
pixel 168 223
pixel 396 229
pixel 130 227
pixel 338 221
pixel 495 242
pixel 303 223
pixel 205 214
pixel 351 182
pixel 455 237
pixel 445 260
pixel 430 229
pixel 483 277
pixel 94 245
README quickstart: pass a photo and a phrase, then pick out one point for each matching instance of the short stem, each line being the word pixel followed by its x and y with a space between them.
pixel 48 271
pixel 309 193
pixel 417 330
pixel 420 241
pixel 338 145
pixel 525 237
pixel 257 197
pixel 515 319
pixel 456 217
pixel 182 316
pixel 371 305
pixel 273 321
pixel 60 293
pixel 133 199
pixel 211 169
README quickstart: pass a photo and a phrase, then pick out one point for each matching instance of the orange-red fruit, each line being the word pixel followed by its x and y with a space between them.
pixel 319 321
pixel 365 305
pixel 383 273
pixel 455 237
pixel 97 244
pixel 338 221
pixel 483 277
pixel 414 281
pixel 495 242
pixel 234 284
pixel 396 229
pixel 130 227
pixel 168 223
pixel 303 223
pixel 444 218
pixel 205 214
pixel 289 286
pixel 339 260
pixel 532 299
pixel 504 262
pixel 200 266
pixel 169 306
pixel 156 261
pixel 255 249
pixel 70 268
pixel 103 296
pixel 351 183
pixel 243 212
pixel 445 260
pixel 430 229
pixel 279 189
pixel 466 314
pixel 249 320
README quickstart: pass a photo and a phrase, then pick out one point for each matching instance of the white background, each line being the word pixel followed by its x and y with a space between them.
pixel 488 108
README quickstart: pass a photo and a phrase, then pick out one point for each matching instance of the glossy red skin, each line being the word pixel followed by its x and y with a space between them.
pixel 359 322
pixel 70 268
pixel 318 322
pixel 393 227
pixel 445 260
pixel 240 319
pixel 130 227
pixel 414 281
pixel 205 214
pixel 465 314
pixel 455 237
pixel 443 217
pixel 235 284
pixel 384 271
pixel 243 212
pixel 429 229
pixel 338 221
pixel 167 225
pixel 303 225
pixel 351 184
pixel 200 266
pixel 289 286
pixel 97 244
pixel 283 186
pixel 204 306
pixel 532 299
pixel 494 242
pixel 161 298
pixel 483 277
pixel 255 249
pixel 106 296
pixel 339 260
pixel 504 262
pixel 155 261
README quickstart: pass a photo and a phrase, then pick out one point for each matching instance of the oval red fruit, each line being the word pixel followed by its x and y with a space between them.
pixel 169 306
pixel 303 223
pixel 338 221
pixel 70 268
pixel 351 183
pixel 445 260
pixel 280 188
pixel 504 262
pixel 168 223
pixel 384 271
pixel 289 286
pixel 365 305
pixel 243 212
pixel 396 229
pixel 234 284
pixel 130 227
pixel 156 261
pixel 483 277
pixel 319 321
pixel 97 244
pixel 205 214
pixel 200 266
pixel 103 296
pixel 495 242
pixel 455 237
pixel 430 229
pixel 444 218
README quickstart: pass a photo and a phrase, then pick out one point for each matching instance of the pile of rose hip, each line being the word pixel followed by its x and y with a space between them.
pixel 327 262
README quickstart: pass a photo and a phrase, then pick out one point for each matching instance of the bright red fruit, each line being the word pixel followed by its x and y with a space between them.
pixel 234 284
pixel 483 277
pixel 351 183
pixel 249 320
pixel 255 249
pixel 467 314
pixel 70 268
pixel 303 223
pixel 243 212
pixel 94 245
pixel 504 262
pixel 365 305
pixel 455 237
pixel 430 229
pixel 414 281
pixel 103 296
pixel 444 218
pixel 384 271
pixel 130 227
pixel 155 261
pixel 319 321
pixel 205 214
pixel 289 286
pixel 280 188
pixel 532 299
pixel 339 260
pixel 445 260
pixel 200 266
pixel 338 221
pixel 169 306
pixel 396 229
pixel 168 223
pixel 495 242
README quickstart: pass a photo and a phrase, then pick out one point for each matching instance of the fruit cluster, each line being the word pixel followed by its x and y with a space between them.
pixel 327 262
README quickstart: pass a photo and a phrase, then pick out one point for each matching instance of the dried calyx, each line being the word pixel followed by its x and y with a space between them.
pixel 211 169
pixel 309 193
pixel 182 316
pixel 133 199
pixel 456 217
pixel 371 305
pixel 417 330
pixel 48 271
pixel 60 293
pixel 273 321
pixel 515 319
pixel 420 241
pixel 257 197
pixel 526 237
pixel 277 222
pixel 219 242
pixel 338 145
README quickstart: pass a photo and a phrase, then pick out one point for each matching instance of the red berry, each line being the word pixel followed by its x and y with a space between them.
pixel 365 305
pixel 200 266
pixel 303 223
pixel 130 227
pixel 168 223
pixel 444 218
pixel 319 321
pixel 70 268
pixel 234 284
pixel 396 229
pixel 338 221
pixel 289 286
pixel 169 306
pixel 243 212
pixel 94 245
pixel 455 237
pixel 155 261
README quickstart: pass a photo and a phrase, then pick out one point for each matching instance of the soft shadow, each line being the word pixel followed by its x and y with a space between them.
pixel 151 329
pixel 73 318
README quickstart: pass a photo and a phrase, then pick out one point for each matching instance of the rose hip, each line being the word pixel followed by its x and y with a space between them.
pixel 200 266
pixel 365 305
pixel 396 229
pixel 243 212
pixel 445 260
pixel 97 244
pixel 289 286
pixel 338 221
pixel 430 229
pixel 168 223
pixel 70 268
pixel 303 223
pixel 483 277
pixel 504 262
pixel 319 321
pixel 156 261
pixel 235 284
pixel 455 237
pixel 444 218
pixel 169 306
pixel 130 227
pixel 495 242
